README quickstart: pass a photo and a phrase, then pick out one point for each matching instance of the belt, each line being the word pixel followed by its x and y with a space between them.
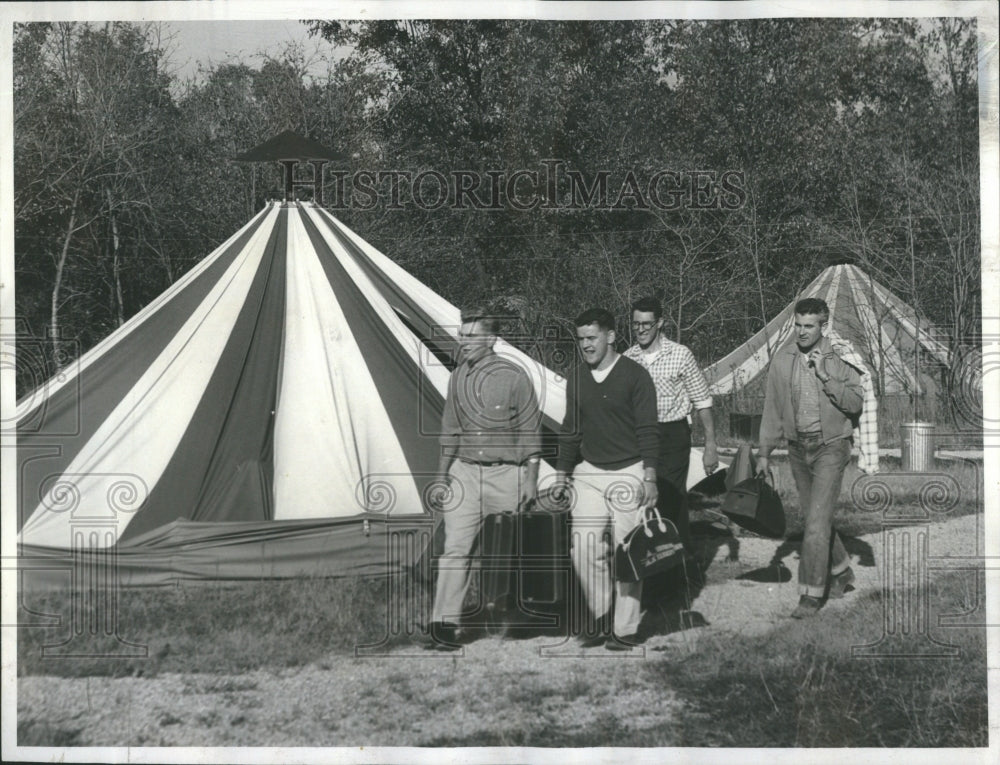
pixel 495 463
pixel 813 436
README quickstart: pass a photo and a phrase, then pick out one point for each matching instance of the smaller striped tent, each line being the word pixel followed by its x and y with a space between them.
pixel 884 330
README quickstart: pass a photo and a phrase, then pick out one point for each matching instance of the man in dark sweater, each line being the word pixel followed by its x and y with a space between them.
pixel 609 443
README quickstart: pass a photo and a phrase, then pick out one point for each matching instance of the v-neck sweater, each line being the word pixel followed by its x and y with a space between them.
pixel 610 424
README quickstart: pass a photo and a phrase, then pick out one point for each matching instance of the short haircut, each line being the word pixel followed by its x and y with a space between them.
pixel 602 317
pixel 814 306
pixel 648 305
pixel 478 313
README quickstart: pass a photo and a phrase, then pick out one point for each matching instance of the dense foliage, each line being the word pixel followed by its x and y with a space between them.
pixel 854 140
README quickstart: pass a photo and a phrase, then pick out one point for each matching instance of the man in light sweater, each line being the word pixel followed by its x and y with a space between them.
pixel 609 445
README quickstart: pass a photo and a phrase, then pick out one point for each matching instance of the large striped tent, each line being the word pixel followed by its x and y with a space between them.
pixel 274 412
pixel 883 329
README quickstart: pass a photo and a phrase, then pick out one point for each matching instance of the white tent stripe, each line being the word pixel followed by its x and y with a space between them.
pixel 332 432
pixel 139 437
pixel 831 299
pixel 869 320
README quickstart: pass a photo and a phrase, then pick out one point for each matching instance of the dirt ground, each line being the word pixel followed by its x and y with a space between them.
pixel 496 691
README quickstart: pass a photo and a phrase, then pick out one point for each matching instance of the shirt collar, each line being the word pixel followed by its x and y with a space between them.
pixel 477 357
pixel 823 345
pixel 661 346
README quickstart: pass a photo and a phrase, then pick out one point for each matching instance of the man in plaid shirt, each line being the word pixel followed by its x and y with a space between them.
pixel 680 385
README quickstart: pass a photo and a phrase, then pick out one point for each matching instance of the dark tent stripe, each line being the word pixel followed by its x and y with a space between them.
pixel 69 418
pixel 414 314
pixel 413 404
pixel 223 466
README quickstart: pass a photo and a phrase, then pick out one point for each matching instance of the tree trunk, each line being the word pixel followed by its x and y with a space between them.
pixel 116 262
pixel 913 291
pixel 60 268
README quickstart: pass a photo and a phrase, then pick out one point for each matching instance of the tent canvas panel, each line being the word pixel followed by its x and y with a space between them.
pixel 60 423
pixel 221 468
pixel 188 552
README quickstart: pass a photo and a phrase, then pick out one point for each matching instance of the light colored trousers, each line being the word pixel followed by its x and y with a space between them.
pixel 479 491
pixel 603 498
pixel 818 470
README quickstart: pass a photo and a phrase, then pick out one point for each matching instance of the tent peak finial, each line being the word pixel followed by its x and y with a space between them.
pixel 290 148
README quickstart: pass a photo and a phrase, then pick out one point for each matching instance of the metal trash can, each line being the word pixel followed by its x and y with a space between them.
pixel 918 446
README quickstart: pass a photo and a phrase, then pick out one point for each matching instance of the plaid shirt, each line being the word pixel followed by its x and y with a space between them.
pixel 866 433
pixel 679 381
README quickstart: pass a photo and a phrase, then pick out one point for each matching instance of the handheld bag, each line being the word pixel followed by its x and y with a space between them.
pixel 496 549
pixel 651 547
pixel 754 505
pixel 544 563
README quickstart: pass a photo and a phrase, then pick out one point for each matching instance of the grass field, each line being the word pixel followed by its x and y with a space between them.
pixel 796 685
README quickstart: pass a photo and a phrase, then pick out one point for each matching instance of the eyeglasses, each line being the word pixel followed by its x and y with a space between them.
pixel 642 326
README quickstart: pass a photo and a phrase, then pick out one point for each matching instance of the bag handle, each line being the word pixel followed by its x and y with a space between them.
pixel 648 514
pixel 767 476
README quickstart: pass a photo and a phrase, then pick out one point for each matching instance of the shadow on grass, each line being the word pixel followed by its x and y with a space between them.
pixel 858 549
pixel 667 597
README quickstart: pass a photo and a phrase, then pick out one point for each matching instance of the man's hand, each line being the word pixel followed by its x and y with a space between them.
pixel 529 491
pixel 818 363
pixel 529 485
pixel 710 459
pixel 764 468
pixel 560 488
pixel 649 494
pixel 440 491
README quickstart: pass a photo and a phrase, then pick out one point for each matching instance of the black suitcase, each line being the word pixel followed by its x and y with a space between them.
pixel 544 562
pixel 525 569
pixel 498 563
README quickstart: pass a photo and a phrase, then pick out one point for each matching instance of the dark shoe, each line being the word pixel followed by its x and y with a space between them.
pixel 443 637
pixel 840 583
pixel 598 636
pixel 623 643
pixel 808 606
pixel 592 640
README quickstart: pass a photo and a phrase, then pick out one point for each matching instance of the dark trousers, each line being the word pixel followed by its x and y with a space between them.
pixel 671 474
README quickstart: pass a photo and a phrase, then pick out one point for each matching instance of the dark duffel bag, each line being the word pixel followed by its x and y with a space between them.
pixel 754 505
pixel 651 547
